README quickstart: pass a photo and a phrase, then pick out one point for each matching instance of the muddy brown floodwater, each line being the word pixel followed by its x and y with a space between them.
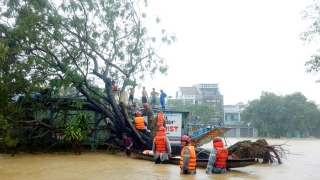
pixel 303 162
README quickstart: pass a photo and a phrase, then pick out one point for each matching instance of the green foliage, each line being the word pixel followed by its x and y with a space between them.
pixel 75 47
pixel 83 122
pixel 77 131
pixel 76 43
pixel 277 115
pixel 73 132
pixel 16 77
pixel 94 146
pixel 3 123
pixel 204 111
pixel 311 34
pixel 175 104
pixel 72 40
pixel 6 140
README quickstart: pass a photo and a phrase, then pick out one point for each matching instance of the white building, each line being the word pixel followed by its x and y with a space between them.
pixel 203 94
pixel 189 95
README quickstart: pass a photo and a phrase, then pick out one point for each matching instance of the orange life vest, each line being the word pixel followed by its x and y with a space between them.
pixel 139 122
pixel 221 156
pixel 160 142
pixel 193 158
pixel 160 119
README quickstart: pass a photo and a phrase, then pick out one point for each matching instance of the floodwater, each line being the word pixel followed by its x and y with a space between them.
pixel 302 162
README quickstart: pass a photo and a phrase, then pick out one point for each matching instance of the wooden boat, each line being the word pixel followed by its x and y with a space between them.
pixel 202 163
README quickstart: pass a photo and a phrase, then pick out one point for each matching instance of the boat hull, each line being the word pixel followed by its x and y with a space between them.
pixel 202 163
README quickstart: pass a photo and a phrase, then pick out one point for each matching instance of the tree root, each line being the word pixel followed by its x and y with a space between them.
pixel 258 149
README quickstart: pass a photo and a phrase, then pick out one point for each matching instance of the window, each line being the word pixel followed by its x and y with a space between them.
pixel 209 94
pixel 232 117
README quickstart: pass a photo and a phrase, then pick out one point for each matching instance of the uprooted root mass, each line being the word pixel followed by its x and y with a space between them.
pixel 258 149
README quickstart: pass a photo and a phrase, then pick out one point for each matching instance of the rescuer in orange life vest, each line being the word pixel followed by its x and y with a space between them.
pixel 139 122
pixel 161 147
pixel 188 157
pixel 217 162
pixel 160 119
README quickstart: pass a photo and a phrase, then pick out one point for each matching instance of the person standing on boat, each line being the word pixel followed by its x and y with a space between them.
pixel 217 161
pixel 154 96
pixel 127 144
pixel 161 147
pixel 163 95
pixel 188 159
pixel 151 122
pixel 144 95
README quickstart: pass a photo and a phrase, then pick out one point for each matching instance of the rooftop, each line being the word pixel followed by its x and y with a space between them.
pixel 189 91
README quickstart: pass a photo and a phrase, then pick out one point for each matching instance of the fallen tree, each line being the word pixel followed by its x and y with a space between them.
pixel 75 47
pixel 258 149
pixel 69 125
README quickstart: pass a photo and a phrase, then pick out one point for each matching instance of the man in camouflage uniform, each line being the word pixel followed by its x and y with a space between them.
pixel 151 122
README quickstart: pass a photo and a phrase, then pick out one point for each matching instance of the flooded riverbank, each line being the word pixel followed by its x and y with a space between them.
pixel 303 162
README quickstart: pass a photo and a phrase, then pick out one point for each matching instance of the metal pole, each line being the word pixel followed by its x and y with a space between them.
pixel 248 129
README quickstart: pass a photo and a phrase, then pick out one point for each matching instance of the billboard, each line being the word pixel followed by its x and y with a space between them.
pixel 173 127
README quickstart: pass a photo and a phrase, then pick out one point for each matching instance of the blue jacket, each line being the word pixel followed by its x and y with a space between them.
pixel 162 96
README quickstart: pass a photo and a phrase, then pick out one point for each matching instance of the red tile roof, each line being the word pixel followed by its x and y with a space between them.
pixel 189 91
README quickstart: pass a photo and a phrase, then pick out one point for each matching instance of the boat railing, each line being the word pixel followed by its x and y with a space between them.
pixel 200 132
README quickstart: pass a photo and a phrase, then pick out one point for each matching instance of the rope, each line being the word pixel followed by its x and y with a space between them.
pixel 225 141
pixel 200 152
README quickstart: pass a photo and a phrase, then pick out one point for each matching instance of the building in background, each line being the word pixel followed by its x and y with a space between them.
pixel 232 117
pixel 189 95
pixel 228 115
pixel 204 94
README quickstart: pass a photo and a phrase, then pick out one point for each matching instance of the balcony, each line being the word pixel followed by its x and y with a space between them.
pixel 233 122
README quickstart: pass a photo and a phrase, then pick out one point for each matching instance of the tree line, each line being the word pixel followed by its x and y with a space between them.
pixel 276 115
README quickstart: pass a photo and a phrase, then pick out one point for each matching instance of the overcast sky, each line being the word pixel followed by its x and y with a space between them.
pixel 246 47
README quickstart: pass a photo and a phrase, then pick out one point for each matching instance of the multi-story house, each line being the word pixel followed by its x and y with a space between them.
pixel 232 117
pixel 204 94
pixel 228 115
pixel 189 95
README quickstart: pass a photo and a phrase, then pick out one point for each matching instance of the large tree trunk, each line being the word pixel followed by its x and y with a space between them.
pixel 132 127
pixel 120 125
pixel 122 119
